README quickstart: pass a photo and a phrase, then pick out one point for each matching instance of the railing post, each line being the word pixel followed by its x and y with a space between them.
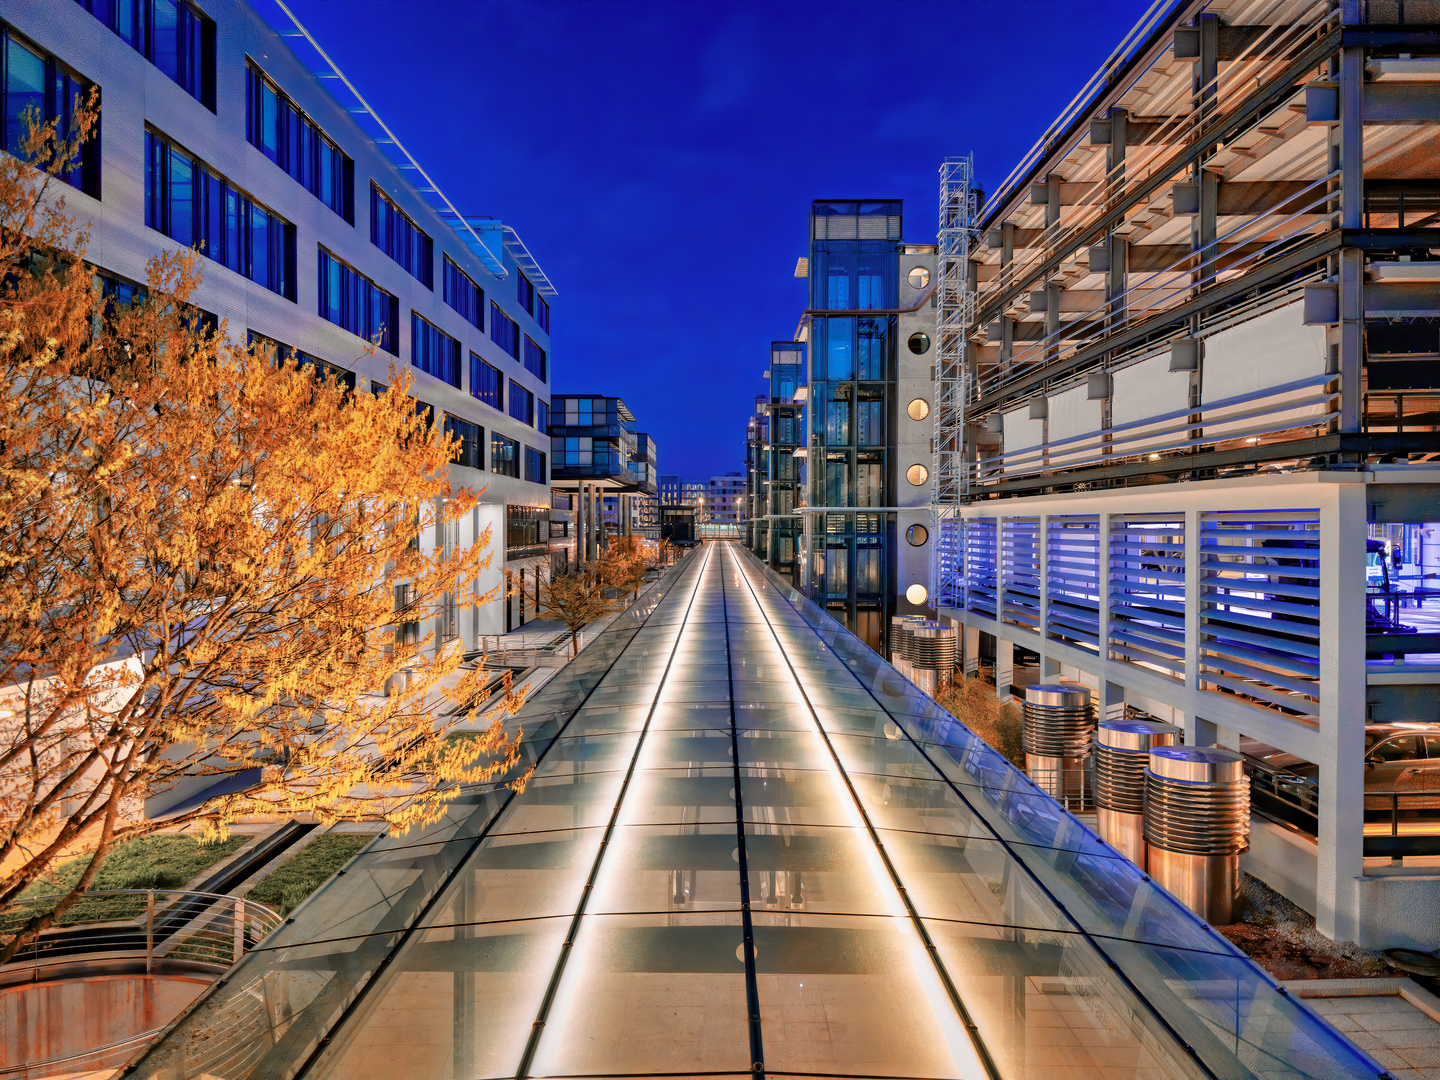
pixel 149 931
pixel 239 928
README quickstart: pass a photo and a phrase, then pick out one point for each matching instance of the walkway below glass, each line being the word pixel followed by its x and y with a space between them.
pixel 749 847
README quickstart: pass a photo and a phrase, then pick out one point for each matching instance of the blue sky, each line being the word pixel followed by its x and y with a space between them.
pixel 659 156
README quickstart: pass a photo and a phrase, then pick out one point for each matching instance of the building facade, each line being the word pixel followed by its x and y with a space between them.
pixel 1193 339
pixel 599 458
pixel 856 420
pixel 216 133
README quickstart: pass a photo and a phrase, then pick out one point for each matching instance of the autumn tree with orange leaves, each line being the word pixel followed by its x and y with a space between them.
pixel 199 554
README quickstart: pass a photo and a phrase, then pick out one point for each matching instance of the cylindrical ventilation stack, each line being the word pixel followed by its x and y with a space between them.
pixel 932 655
pixel 1122 751
pixel 1197 822
pixel 900 627
pixel 1058 724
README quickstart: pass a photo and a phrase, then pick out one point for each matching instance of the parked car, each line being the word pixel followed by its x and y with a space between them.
pixel 1402 759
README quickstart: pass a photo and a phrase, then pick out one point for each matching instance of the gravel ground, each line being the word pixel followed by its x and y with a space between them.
pixel 1282 939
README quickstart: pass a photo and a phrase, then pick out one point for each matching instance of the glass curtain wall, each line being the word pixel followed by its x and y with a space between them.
pixel 854 269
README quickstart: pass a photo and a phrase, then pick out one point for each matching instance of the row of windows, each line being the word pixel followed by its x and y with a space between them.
pixel 504 331
pixel 433 351
pixel 392 231
pixel 462 294
pixel 235 231
pixel 31 79
pixel 351 300
pixel 196 207
pixel 535 306
pixel 289 138
pixel 506 459
pixel 174 35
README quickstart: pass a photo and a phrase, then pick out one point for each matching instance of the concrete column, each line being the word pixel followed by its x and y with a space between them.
pixel 1193 600
pixel 1342 712
pixel 1112 705
pixel 1004 669
pixel 1200 732
pixel 1043 555
pixel 971 649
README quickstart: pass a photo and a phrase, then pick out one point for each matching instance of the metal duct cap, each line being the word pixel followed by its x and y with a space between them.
pixel 1136 736
pixel 1058 695
pixel 1197 764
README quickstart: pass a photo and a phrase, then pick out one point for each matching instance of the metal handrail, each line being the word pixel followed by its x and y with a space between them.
pixel 173 924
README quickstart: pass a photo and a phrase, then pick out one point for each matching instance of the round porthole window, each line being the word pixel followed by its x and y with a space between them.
pixel 916 535
pixel 918 277
pixel 919 344
pixel 918 409
pixel 917 594
pixel 917 475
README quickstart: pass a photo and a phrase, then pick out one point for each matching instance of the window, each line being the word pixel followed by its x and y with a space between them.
pixel 504 456
pixel 522 404
pixel 172 34
pixel 32 79
pixel 542 313
pixel 199 208
pixel 285 135
pixel 486 383
pixel 525 292
pixel 349 299
pixel 535 470
pixel 462 294
pixel 468 435
pixel 542 416
pixel 392 231
pixel 535 359
pixel 276 353
pixel 504 331
pixel 433 351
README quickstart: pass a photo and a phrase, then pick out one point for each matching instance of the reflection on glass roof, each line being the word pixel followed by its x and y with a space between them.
pixel 750 847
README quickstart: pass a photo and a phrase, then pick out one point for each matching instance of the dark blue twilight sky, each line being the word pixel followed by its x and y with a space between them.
pixel 658 157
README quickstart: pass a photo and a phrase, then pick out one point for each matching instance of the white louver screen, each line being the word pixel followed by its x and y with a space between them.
pixel 1072 559
pixel 950 556
pixel 980 566
pixel 1260 607
pixel 1020 552
pixel 1147 592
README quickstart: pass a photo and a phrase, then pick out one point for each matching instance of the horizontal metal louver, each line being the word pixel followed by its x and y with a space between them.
pixel 1020 563
pixel 1260 607
pixel 1072 559
pixel 980 566
pixel 1147 592
pixel 857 227
pixel 950 556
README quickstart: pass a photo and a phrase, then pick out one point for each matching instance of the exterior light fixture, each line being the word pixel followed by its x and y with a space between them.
pixel 917 594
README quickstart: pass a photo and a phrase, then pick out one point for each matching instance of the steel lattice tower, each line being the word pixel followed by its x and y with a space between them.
pixel 955 311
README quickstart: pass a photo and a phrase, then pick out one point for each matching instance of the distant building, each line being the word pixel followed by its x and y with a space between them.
pixel 598 456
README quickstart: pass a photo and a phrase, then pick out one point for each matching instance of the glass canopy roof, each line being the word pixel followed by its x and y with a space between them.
pixel 749 847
